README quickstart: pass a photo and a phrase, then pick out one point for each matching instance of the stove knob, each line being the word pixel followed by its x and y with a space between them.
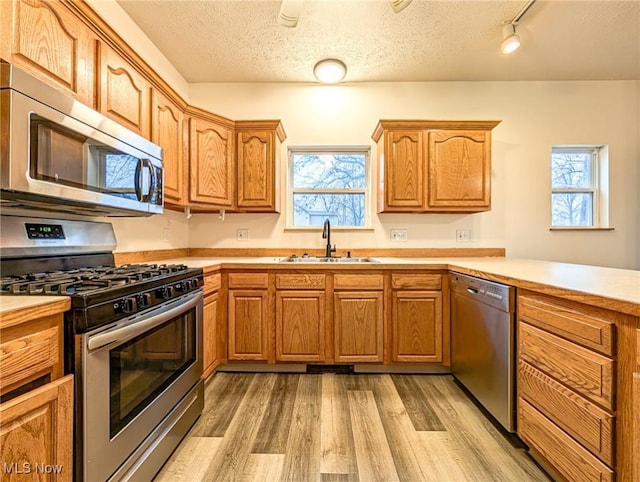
pixel 144 299
pixel 125 305
pixel 181 286
pixel 165 292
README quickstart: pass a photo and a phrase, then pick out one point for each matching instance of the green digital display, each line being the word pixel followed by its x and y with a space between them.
pixel 44 231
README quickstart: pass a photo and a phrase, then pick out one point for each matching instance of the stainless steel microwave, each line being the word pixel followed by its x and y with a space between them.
pixel 59 155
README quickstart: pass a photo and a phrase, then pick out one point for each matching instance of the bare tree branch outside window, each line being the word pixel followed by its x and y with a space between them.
pixel 329 185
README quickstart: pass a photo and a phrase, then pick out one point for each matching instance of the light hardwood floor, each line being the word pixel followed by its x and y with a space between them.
pixel 330 427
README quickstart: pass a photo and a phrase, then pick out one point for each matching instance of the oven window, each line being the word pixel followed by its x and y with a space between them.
pixel 143 367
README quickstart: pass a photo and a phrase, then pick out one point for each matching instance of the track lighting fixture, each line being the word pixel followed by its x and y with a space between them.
pixel 330 71
pixel 510 39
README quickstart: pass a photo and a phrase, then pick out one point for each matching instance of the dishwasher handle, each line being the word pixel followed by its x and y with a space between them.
pixel 471 290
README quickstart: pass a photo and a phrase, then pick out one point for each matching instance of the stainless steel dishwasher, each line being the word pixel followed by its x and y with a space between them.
pixel 483 343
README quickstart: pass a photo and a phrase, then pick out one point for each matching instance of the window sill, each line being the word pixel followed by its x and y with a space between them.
pixel 578 228
pixel 318 229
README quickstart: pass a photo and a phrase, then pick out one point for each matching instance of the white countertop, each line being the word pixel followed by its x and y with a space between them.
pixel 612 283
pixel 609 283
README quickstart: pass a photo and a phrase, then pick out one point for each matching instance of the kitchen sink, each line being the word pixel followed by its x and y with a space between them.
pixel 324 259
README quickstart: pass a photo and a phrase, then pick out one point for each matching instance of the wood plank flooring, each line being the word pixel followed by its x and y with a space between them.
pixel 330 427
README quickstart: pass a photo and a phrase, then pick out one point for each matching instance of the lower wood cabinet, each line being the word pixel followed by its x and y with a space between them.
pixel 300 326
pixel 210 334
pixel 636 413
pixel 250 319
pixel 36 433
pixel 566 390
pixel 416 330
pixel 358 324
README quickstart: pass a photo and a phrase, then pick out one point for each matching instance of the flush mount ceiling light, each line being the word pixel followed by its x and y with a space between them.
pixel 330 71
pixel 510 39
pixel 290 10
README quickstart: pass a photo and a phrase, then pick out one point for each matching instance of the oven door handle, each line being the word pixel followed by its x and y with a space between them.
pixel 121 334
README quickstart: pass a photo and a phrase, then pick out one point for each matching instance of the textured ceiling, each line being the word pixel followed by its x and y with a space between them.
pixel 241 41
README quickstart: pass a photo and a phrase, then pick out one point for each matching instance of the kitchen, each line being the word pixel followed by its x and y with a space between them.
pixel 534 116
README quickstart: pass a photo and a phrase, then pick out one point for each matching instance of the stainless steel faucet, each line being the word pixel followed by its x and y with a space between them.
pixel 326 234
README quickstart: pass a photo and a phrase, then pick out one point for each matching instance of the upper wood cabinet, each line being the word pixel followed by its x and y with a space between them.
pixel 211 164
pixel 459 170
pixel 123 93
pixel 47 40
pixel 167 122
pixel 258 165
pixel 431 166
pixel 402 175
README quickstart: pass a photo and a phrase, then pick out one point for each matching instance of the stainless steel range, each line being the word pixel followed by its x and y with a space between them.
pixel 133 341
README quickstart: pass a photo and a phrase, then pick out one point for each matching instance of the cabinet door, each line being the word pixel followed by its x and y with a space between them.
pixel 123 94
pixel 37 427
pixel 209 338
pixel 248 325
pixel 459 170
pixel 212 176
pixel 403 175
pixel 167 122
pixel 417 326
pixel 256 171
pixel 636 412
pixel 358 320
pixel 51 43
pixel 300 326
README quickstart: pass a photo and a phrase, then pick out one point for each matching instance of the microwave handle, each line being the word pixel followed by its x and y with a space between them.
pixel 138 179
pixel 152 180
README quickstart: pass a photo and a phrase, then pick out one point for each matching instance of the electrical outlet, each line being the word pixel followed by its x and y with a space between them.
pixel 242 234
pixel 165 234
pixel 399 235
pixel 463 236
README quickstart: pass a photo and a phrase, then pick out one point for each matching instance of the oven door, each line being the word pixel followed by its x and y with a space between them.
pixel 135 372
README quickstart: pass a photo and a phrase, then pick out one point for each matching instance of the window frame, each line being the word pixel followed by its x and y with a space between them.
pixel 365 190
pixel 598 174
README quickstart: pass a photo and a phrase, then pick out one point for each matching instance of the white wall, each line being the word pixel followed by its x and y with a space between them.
pixel 534 115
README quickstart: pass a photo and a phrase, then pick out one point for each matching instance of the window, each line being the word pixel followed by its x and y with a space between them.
pixel 577 194
pixel 329 183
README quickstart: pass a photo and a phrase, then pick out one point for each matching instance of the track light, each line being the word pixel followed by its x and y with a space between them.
pixel 330 71
pixel 510 39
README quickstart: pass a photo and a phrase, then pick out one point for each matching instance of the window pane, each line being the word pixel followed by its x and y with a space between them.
pixel 572 209
pixel 340 209
pixel 334 171
pixel 571 169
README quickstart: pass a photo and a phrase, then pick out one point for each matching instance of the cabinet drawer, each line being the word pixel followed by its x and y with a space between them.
pixel 580 369
pixel 248 280
pixel 589 425
pixel 212 282
pixel 570 320
pixel 358 282
pixel 28 355
pixel 416 281
pixel 568 457
pixel 300 281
